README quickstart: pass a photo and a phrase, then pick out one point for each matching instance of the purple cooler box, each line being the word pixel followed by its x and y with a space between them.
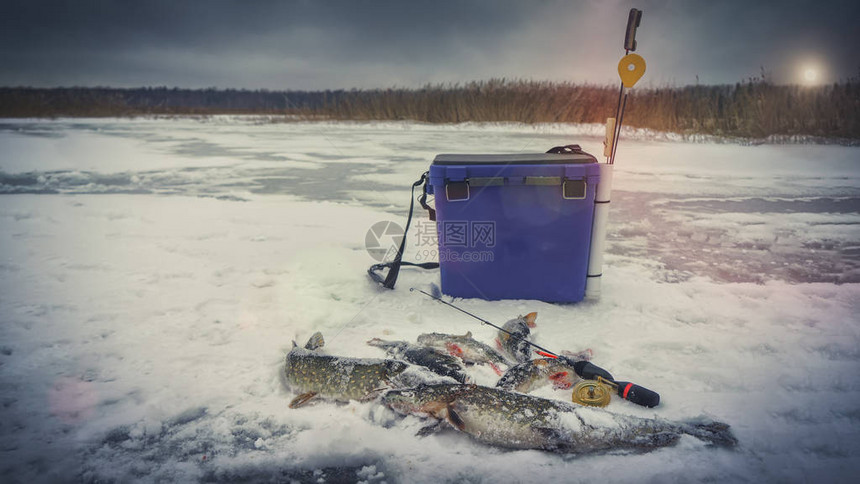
pixel 514 226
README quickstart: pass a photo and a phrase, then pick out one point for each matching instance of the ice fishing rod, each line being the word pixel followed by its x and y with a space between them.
pixel 631 68
pixel 590 393
pixel 543 351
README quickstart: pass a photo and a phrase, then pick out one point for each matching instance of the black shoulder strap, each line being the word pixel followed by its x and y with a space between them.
pixel 394 266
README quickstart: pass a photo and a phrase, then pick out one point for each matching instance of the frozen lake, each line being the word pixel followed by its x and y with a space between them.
pixel 153 274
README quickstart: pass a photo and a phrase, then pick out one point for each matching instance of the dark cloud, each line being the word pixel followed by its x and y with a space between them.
pixel 327 44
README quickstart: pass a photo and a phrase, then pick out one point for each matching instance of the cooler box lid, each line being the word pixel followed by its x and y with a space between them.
pixel 514 159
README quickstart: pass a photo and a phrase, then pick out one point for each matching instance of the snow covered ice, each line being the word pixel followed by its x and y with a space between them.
pixel 154 273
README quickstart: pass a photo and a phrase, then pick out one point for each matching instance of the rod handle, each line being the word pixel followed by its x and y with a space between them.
pixel 590 371
pixel 638 394
pixel 633 21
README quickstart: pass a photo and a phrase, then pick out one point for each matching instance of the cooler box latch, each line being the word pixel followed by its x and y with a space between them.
pixel 574 189
pixel 457 191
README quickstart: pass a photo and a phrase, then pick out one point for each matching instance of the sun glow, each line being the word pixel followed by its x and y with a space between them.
pixel 810 71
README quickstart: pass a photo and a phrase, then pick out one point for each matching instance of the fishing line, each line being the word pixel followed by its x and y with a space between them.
pixel 585 369
pixel 545 351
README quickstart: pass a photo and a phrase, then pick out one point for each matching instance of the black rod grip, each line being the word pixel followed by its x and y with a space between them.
pixel 633 21
pixel 590 371
pixel 638 394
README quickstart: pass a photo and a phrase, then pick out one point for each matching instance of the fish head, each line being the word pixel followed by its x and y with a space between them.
pixel 422 399
pixel 402 401
pixel 515 327
pixel 394 367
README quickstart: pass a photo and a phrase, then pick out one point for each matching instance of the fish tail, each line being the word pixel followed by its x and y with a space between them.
pixel 530 319
pixel 714 433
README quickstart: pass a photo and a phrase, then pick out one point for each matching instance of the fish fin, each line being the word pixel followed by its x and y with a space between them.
pixel 434 409
pixel 560 380
pixel 431 428
pixel 714 433
pixel 554 439
pixel 647 442
pixel 468 334
pixel 496 369
pixel 315 342
pixel 372 394
pixel 546 432
pixel 454 418
pixel 454 349
pixel 530 319
pixel 376 342
pixel 302 399
pixel 294 344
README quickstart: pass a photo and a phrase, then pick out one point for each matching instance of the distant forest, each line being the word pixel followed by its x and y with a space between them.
pixel 753 109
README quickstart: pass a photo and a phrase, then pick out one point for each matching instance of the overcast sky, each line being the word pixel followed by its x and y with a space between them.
pixel 343 44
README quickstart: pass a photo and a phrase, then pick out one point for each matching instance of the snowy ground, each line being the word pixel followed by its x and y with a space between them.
pixel 153 274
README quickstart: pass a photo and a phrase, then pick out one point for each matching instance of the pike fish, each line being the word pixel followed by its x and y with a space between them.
pixel 311 373
pixel 514 420
pixel 437 362
pixel 514 345
pixel 466 348
pixel 536 373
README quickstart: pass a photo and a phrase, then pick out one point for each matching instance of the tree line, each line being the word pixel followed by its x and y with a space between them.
pixel 754 108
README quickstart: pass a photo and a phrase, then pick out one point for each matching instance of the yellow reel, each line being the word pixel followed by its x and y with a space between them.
pixel 631 68
pixel 592 393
